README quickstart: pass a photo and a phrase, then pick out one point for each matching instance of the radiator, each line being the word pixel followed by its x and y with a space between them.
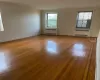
pixel 81 35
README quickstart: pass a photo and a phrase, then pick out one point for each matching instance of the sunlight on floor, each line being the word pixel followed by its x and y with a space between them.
pixel 3 63
pixel 78 50
pixel 51 47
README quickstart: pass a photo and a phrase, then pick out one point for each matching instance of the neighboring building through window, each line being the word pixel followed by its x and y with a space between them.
pixel 1 24
pixel 51 20
pixel 84 20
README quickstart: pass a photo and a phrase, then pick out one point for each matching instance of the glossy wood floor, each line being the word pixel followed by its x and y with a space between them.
pixel 48 58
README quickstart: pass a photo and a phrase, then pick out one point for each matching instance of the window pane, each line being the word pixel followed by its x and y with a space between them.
pixel 79 24
pixel 87 15
pixel 90 15
pixel 52 20
pixel 81 15
pixel 52 16
pixel 84 24
pixel 52 23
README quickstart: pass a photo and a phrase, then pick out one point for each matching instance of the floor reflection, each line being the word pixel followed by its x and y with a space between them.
pixel 3 63
pixel 78 50
pixel 51 47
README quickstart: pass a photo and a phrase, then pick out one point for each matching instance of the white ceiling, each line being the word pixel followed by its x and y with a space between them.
pixel 53 4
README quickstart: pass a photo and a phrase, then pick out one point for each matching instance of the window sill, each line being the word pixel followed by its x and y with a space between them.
pixel 80 29
pixel 50 28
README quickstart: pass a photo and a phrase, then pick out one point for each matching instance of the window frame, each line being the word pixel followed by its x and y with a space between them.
pixel 1 23
pixel 83 28
pixel 46 20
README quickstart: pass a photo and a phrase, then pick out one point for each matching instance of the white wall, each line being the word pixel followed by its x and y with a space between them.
pixel 67 21
pixel 97 76
pixel 19 21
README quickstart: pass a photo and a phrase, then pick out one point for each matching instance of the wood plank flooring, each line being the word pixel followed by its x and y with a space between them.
pixel 48 58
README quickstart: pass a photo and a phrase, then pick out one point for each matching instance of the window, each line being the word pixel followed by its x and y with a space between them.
pixel 84 20
pixel 1 24
pixel 51 20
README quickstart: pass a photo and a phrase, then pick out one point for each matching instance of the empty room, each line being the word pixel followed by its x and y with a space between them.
pixel 49 40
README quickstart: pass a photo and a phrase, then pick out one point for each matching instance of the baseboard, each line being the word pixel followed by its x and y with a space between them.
pixel 68 35
pixel 21 39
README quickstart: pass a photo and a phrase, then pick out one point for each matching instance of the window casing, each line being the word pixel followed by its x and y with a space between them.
pixel 84 20
pixel 51 20
pixel 1 23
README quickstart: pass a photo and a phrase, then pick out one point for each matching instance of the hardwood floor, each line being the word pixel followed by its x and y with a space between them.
pixel 48 58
